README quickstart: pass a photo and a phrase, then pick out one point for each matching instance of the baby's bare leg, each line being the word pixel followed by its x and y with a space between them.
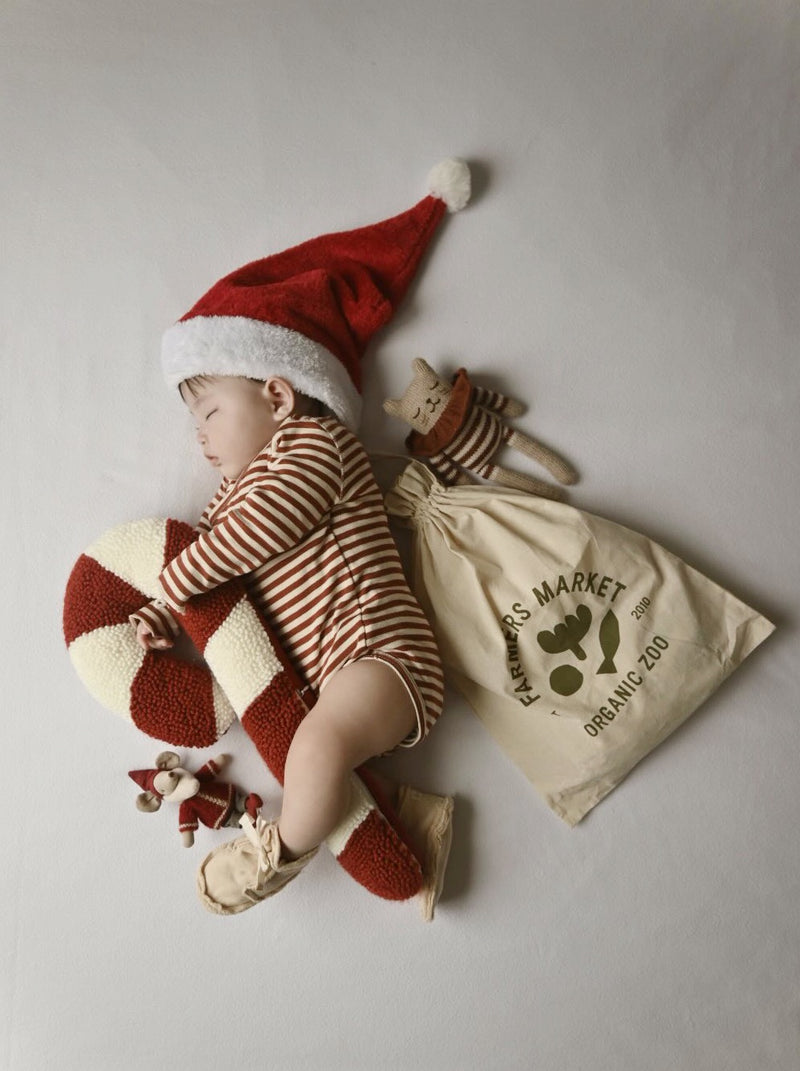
pixel 364 710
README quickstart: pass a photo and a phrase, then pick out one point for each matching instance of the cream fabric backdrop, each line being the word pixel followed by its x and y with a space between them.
pixel 629 266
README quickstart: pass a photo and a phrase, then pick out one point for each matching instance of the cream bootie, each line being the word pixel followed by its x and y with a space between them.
pixel 429 822
pixel 245 871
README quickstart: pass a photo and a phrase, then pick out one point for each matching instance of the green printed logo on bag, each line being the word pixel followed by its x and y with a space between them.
pixel 580 644
pixel 585 635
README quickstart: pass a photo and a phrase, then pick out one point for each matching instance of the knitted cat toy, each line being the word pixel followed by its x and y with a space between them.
pixel 458 428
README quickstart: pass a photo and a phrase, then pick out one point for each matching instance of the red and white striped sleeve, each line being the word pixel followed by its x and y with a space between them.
pixel 204 524
pixel 158 618
pixel 281 497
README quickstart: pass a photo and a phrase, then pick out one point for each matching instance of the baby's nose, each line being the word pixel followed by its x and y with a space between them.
pixel 200 435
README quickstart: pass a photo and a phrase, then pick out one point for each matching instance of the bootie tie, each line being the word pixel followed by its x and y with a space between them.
pixel 245 871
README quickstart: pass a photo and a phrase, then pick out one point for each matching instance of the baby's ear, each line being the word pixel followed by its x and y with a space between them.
pixel 280 394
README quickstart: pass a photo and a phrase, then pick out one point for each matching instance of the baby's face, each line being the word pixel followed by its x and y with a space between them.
pixel 234 419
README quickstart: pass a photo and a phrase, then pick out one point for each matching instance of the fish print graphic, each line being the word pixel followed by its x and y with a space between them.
pixel 609 642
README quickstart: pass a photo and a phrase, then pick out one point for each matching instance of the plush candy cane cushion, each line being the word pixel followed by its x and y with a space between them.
pixel 246 673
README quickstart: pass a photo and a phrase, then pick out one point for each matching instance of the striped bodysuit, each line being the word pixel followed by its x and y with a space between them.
pixel 305 527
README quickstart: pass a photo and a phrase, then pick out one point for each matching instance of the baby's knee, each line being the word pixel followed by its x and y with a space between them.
pixel 320 743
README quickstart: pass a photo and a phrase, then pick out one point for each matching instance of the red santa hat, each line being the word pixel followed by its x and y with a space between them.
pixel 146 779
pixel 309 312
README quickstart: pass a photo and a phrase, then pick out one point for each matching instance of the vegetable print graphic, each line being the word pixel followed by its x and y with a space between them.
pixel 567 636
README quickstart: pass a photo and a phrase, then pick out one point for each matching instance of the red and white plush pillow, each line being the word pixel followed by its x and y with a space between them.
pixel 246 674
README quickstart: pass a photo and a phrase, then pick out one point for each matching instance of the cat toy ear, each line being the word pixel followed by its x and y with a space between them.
pixel 421 367
pixel 393 408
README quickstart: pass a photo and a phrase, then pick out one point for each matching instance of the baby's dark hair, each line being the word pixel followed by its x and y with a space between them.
pixel 306 405
pixel 195 383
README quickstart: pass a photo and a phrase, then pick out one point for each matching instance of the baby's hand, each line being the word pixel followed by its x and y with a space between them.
pixel 147 639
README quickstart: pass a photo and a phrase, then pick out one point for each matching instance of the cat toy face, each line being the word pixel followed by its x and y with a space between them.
pixel 424 399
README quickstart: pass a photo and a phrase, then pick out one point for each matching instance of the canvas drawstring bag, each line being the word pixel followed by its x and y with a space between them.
pixel 580 644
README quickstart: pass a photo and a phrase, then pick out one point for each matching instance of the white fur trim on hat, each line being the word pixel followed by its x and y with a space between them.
pixel 239 346
pixel 450 181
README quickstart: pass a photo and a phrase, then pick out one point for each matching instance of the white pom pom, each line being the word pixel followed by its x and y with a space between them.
pixel 450 181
